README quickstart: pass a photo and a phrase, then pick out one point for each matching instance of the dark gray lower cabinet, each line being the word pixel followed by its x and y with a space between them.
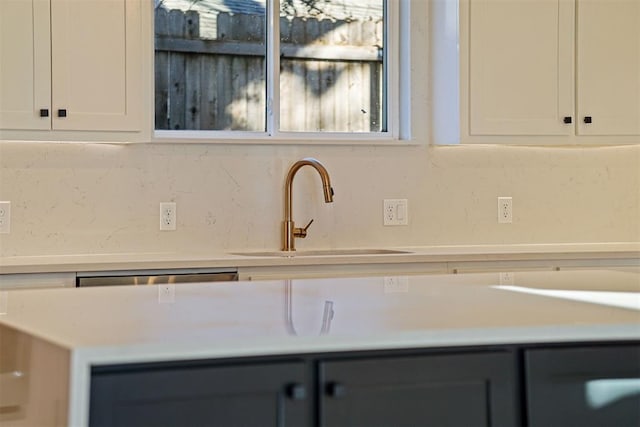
pixel 512 386
pixel 265 394
pixel 435 390
pixel 467 389
pixel 583 386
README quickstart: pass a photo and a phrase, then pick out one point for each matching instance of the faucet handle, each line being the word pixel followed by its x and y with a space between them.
pixel 302 232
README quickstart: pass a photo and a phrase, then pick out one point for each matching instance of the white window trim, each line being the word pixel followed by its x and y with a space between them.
pixel 398 131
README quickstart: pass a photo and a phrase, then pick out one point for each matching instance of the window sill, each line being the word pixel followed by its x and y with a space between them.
pixel 260 138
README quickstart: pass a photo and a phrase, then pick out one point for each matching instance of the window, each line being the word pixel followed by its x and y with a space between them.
pixel 323 69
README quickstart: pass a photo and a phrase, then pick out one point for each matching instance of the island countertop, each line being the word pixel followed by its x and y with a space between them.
pixel 130 324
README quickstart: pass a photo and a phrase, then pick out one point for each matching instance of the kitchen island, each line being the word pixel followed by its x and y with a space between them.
pixel 320 351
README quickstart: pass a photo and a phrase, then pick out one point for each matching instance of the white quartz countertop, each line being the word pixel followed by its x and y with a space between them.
pixel 185 321
pixel 129 324
pixel 256 258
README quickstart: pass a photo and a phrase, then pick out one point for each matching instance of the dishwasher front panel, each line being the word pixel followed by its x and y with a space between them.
pixel 155 279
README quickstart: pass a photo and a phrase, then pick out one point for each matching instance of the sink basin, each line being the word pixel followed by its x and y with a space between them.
pixel 325 252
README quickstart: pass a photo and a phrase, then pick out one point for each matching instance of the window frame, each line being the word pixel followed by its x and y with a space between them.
pixel 394 63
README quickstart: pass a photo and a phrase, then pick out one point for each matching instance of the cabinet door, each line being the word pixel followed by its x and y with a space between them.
pixel 608 67
pixel 447 390
pixel 520 67
pixel 240 395
pixel 96 64
pixel 25 64
pixel 583 387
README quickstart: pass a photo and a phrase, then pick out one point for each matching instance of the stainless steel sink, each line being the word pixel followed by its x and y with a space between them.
pixel 325 252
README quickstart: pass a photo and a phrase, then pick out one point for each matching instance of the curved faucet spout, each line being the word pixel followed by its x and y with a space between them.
pixel 290 232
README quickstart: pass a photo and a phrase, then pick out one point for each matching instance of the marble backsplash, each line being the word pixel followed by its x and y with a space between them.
pixel 104 198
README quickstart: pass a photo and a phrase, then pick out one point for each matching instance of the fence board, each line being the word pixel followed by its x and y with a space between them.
pixel 312 99
pixel 191 24
pixel 341 89
pixel 224 92
pixel 256 95
pixel 207 96
pixel 161 90
pixel 175 23
pixel 192 92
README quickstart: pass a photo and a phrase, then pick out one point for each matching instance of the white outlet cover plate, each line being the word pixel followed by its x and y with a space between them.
pixel 168 216
pixel 505 210
pixel 395 212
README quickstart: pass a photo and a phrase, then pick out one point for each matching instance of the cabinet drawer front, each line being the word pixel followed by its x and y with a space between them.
pixel 587 386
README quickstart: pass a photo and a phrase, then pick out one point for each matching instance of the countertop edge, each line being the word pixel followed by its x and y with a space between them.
pixel 481 337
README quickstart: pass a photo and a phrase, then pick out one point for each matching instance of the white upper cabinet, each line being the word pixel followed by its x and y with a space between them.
pixel 520 57
pixel 71 65
pixel 608 67
pixel 537 70
pixel 25 64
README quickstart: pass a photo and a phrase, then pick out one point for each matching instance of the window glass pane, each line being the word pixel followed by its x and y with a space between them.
pixel 210 64
pixel 331 66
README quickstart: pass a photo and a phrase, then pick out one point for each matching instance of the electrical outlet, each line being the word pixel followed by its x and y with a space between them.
pixel 395 212
pixel 167 216
pixel 505 210
pixel 5 217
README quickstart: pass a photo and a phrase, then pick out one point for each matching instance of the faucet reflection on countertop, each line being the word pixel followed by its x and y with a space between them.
pixel 289 230
pixel 327 313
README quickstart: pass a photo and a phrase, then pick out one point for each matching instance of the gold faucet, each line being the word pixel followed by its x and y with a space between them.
pixel 289 230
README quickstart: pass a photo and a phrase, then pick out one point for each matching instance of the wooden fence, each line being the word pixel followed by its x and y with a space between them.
pixel 330 74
